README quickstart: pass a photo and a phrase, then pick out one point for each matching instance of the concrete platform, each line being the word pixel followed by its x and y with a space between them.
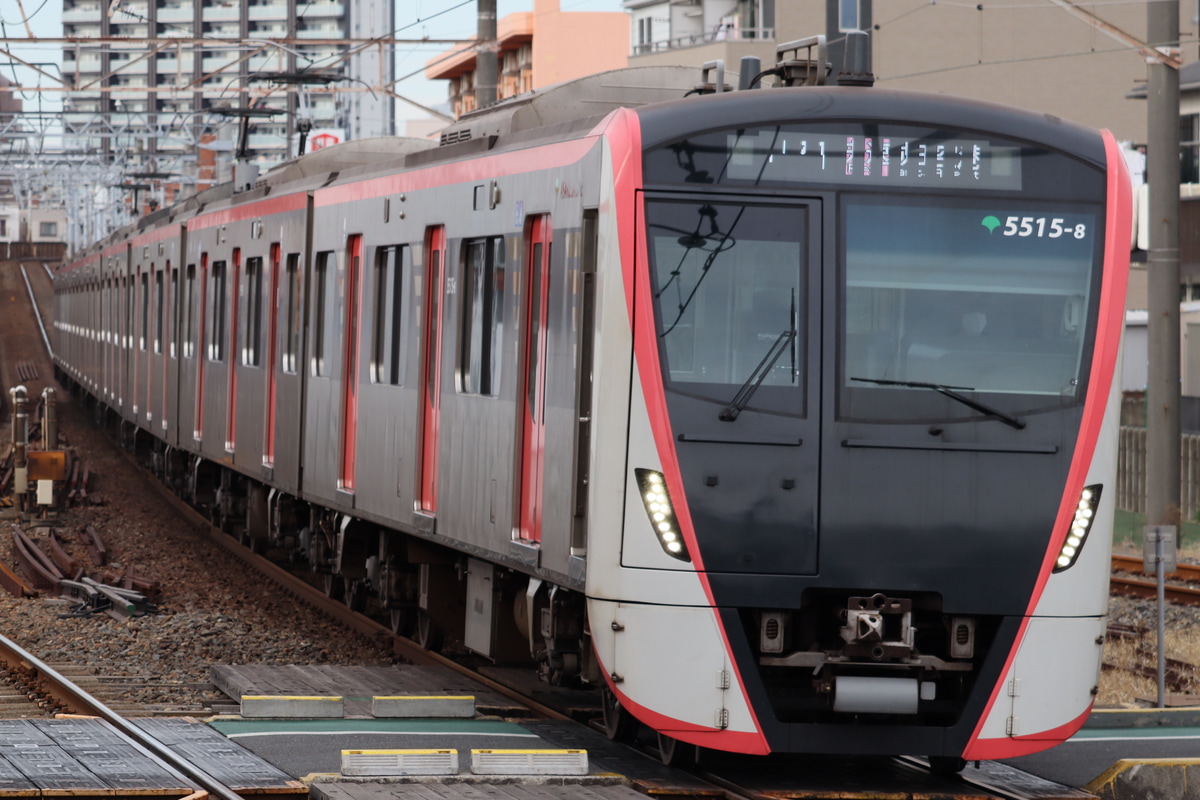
pixel 359 686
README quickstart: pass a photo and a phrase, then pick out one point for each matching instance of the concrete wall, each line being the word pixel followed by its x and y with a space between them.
pixel 1035 56
pixel 572 44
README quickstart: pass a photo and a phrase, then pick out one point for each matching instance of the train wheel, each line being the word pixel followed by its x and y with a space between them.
pixel 675 753
pixel 427 632
pixel 400 620
pixel 946 765
pixel 619 724
pixel 334 586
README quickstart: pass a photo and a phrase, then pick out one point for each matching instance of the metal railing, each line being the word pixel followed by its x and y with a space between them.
pixel 707 37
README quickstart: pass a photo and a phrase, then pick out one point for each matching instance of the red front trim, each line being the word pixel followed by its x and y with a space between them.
pixel 715 738
pixel 1013 746
pixel 625 136
pixel 1110 324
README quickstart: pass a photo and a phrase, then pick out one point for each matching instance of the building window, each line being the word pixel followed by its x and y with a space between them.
pixel 48 228
pixel 1189 148
pixel 482 317
pixel 4 226
pixel 645 35
pixel 848 15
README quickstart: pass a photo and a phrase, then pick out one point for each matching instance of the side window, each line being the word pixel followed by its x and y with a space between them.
pixel 482 315
pixel 159 301
pixel 291 298
pixel 144 330
pixel 320 301
pixel 216 343
pixel 252 349
pixel 189 321
pixel 390 272
pixel 173 310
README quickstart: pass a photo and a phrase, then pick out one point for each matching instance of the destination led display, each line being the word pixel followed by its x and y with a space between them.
pixel 775 155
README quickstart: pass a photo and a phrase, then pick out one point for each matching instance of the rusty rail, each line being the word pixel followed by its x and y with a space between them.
pixel 40 569
pixel 96 549
pixel 12 582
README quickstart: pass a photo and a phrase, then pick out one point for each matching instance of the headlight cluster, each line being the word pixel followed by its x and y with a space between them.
pixel 662 514
pixel 1085 512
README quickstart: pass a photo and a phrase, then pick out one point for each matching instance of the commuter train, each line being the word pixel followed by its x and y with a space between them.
pixel 786 416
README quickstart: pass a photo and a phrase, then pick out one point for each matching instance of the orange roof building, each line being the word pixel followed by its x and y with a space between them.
pixel 538 48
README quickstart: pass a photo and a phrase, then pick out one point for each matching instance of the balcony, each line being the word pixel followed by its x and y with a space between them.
pixel 82 14
pixel 274 11
pixel 225 13
pixel 176 15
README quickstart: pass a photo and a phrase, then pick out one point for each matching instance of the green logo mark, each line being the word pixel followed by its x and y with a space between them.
pixel 990 222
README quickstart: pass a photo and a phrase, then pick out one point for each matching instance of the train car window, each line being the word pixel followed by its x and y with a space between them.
pixel 216 344
pixel 144 331
pixel 252 349
pixel 160 301
pixel 993 297
pixel 729 297
pixel 291 339
pixel 389 297
pixel 320 300
pixel 189 299
pixel 482 317
pixel 173 346
pixel 127 286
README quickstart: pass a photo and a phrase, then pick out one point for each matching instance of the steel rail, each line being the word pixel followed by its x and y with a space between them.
pixel 71 696
pixel 1187 572
pixel 37 313
pixel 1135 587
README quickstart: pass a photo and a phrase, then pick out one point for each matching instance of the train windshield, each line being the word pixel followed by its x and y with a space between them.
pixel 729 293
pixel 992 298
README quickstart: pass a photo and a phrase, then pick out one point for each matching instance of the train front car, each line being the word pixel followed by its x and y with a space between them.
pixel 873 424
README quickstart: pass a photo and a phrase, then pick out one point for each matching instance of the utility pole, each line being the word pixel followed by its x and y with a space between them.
pixel 487 67
pixel 1162 175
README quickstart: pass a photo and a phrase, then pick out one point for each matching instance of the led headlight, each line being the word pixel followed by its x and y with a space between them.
pixel 662 514
pixel 1085 512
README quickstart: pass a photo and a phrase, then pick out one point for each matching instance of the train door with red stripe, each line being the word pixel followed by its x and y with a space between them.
pixel 431 365
pixel 533 395
pixel 349 450
pixel 268 457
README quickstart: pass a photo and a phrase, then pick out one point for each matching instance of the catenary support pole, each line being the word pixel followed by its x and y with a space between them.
pixel 1162 175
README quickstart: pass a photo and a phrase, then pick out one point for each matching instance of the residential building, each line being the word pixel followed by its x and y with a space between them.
pixel 537 49
pixel 187 61
pixel 1061 59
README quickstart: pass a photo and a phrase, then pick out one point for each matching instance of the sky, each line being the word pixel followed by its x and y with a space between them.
pixel 415 19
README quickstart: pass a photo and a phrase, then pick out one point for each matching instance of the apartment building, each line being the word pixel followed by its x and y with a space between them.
pixel 155 76
pixel 536 49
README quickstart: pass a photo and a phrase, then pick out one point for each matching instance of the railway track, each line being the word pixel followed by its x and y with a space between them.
pixel 1123 583
pixel 56 690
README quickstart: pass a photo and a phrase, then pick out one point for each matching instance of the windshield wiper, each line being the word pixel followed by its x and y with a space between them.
pixel 760 373
pixel 948 391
